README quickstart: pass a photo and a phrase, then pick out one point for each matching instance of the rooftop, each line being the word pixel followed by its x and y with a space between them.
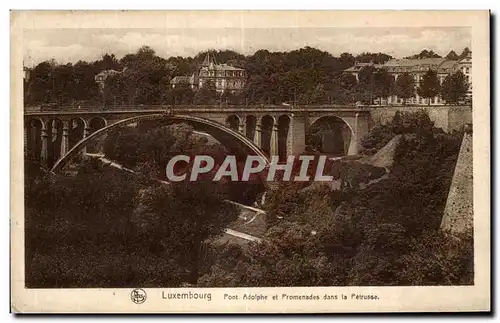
pixel 358 66
pixel 410 65
pixel 222 67
pixel 414 62
pixel 181 79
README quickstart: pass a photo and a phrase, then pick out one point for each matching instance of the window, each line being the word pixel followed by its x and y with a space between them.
pixel 467 70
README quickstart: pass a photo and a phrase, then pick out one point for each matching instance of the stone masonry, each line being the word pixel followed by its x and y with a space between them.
pixel 458 214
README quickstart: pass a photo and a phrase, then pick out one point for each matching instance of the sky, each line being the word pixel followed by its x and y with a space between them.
pixel 72 45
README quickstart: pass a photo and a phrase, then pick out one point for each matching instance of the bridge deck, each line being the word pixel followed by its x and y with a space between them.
pixel 194 109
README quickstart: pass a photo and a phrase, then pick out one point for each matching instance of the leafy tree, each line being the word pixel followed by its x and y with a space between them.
pixel 429 85
pixel 318 95
pixel 170 209
pixel 454 88
pixel 366 85
pixel 376 138
pixel 181 94
pixel 108 62
pixel 207 94
pixel 346 60
pixel 344 88
pixel 383 83
pixel 146 52
pixel 417 122
pixel 424 54
pixel 86 89
pixel 144 80
pixel 404 86
pixel 465 53
pixel 41 83
pixel 453 56
pixel 272 78
pixel 151 142
pixel 376 58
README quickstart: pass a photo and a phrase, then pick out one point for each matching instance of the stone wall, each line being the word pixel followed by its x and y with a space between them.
pixel 448 118
pixel 458 213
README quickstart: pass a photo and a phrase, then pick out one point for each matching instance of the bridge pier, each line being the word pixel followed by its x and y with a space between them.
pixel 86 133
pixel 45 147
pixel 360 127
pixel 274 140
pixel 258 129
pixel 65 139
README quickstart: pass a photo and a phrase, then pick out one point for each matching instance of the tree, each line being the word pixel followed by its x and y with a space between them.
pixel 207 94
pixel 452 56
pixel 366 85
pixel 145 79
pixel 383 84
pixel 344 88
pixel 146 52
pixel 424 54
pixel 376 58
pixel 170 209
pixel 86 88
pixel 181 94
pixel 108 62
pixel 346 60
pixel 454 88
pixel 465 53
pixel 41 84
pixel 429 85
pixel 405 86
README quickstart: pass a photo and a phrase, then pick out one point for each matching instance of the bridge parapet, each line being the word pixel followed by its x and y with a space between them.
pixel 272 109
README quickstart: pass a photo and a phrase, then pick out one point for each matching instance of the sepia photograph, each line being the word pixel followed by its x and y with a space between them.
pixel 175 159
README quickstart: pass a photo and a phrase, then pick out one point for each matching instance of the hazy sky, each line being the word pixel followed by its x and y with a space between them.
pixel 71 45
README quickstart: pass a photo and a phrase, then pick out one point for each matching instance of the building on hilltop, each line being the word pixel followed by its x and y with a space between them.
pixel 226 78
pixel 102 76
pixel 356 68
pixel 417 68
pixel 465 65
pixel 184 79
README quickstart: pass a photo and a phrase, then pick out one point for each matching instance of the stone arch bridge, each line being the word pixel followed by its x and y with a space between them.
pixel 54 135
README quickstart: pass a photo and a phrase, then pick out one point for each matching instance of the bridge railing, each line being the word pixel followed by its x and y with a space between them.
pixel 208 108
pixel 178 107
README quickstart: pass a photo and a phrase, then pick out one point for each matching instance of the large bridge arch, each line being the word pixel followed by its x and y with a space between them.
pixel 228 137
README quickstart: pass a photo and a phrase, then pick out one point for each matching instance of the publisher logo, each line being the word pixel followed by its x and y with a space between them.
pixel 138 296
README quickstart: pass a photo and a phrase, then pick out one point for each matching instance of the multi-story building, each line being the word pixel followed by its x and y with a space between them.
pixel 226 78
pixel 465 65
pixel 101 77
pixel 417 68
pixel 356 68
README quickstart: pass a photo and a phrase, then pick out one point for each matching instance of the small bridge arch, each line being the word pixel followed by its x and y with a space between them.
pixel 331 134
